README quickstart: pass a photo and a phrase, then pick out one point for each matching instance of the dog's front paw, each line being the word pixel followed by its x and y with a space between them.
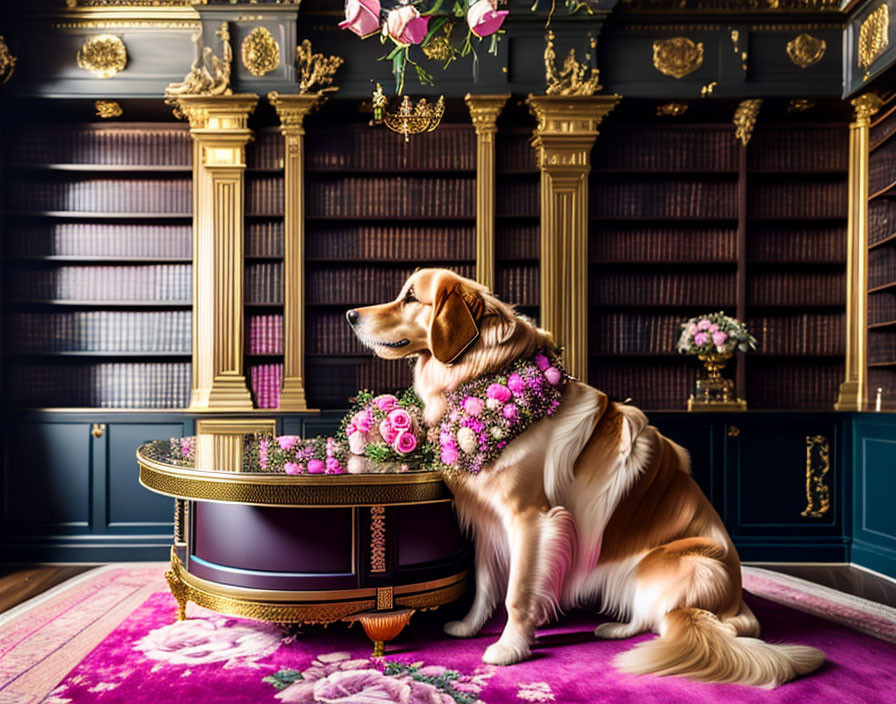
pixel 460 629
pixel 501 653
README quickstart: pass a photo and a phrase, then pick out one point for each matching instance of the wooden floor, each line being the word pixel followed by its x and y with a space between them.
pixel 19 583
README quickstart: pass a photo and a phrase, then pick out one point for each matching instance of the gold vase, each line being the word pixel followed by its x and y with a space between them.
pixel 715 393
pixel 715 362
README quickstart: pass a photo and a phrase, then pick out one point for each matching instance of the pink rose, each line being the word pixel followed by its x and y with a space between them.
pixel 333 466
pixel 385 402
pixel 350 430
pixel 484 18
pixel 405 25
pixel 511 412
pixel 315 467
pixel 713 328
pixel 516 384
pixel 542 362
pixel 361 687
pixel 449 454
pixel 400 419
pixel 700 338
pixel 387 432
pixel 292 468
pixel 499 392
pixel 363 421
pixel 718 338
pixel 331 447
pixel 703 324
pixel 552 374
pixel 361 17
pixel 405 442
pixel 287 442
pixel 473 405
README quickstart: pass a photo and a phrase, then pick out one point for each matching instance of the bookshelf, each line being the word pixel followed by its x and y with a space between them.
pixel 97 245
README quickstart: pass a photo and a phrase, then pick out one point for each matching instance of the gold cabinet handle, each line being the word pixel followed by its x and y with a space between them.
pixel 98 430
pixel 733 431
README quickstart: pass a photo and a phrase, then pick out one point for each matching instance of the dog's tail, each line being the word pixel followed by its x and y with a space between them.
pixel 695 643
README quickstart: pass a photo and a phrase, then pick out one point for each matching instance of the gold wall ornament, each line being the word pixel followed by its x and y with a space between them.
pixel 818 466
pixel 409 119
pixel 673 109
pixel 575 78
pixel 105 55
pixel 315 70
pixel 874 36
pixel 800 105
pixel 439 47
pixel 745 119
pixel 7 62
pixel 260 52
pixel 677 56
pixel 208 74
pixel 707 90
pixel 805 50
pixel 108 109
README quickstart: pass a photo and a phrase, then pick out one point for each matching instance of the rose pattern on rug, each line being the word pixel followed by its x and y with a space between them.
pixel 538 692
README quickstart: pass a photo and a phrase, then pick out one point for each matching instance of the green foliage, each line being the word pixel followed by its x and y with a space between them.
pixel 283 678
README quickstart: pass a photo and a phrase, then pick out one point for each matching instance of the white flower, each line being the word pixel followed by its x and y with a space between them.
pixel 538 692
pixel 357 443
pixel 493 404
pixel 198 641
pixel 466 440
pixel 497 432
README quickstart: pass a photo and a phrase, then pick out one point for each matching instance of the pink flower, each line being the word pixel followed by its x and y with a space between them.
pixel 333 466
pixel 700 338
pixel 316 467
pixel 499 392
pixel 511 412
pixel 360 687
pixel 387 432
pixel 361 17
pixel 287 442
pixel 473 405
pixel 405 442
pixel 542 362
pixel 400 419
pixel 363 421
pixel 718 338
pixel 713 328
pixel 484 18
pixel 516 384
pixel 449 454
pixel 703 324
pixel 350 430
pixel 405 25
pixel 356 443
pixel 293 468
pixel 331 447
pixel 263 454
pixel 385 402
pixel 552 374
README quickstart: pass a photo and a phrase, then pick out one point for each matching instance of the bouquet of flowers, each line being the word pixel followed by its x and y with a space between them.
pixel 714 333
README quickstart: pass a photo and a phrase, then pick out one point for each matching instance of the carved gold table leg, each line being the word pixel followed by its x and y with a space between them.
pixel 179 592
pixel 383 626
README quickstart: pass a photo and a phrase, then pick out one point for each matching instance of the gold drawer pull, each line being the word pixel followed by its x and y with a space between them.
pixel 98 430
pixel 733 431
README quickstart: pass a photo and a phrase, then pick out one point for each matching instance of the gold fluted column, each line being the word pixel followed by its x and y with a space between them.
pixel 292 110
pixel 854 389
pixel 484 111
pixel 218 125
pixel 566 130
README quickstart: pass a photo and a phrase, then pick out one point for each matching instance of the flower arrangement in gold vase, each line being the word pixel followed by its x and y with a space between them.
pixel 714 338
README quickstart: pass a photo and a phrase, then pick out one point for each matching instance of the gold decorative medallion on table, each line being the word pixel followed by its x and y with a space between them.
pixel 575 78
pixel 874 36
pixel 673 109
pixel 260 52
pixel 805 50
pixel 105 55
pixel 818 465
pixel 677 56
pixel 7 62
pixel 108 109
pixel 745 119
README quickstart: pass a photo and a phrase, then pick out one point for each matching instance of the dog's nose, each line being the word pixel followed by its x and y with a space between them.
pixel 352 317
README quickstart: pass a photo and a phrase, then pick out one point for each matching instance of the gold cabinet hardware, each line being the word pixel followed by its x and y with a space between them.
pixel 98 430
pixel 733 431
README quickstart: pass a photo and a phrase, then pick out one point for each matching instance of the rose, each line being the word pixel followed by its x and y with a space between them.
pixel 385 402
pixel 293 468
pixel 713 328
pixel 331 447
pixel 405 25
pixel 198 641
pixel 333 466
pixel 552 374
pixel 185 447
pixel 449 454
pixel 405 442
pixel 484 18
pixel 703 324
pixel 361 17
pixel 466 438
pixel 511 412
pixel 363 421
pixel 400 419
pixel 287 442
pixel 718 338
pixel 542 362
pixel 388 432
pixel 357 443
pixel 498 392
pixel 316 467
pixel 473 405
pixel 516 384
pixel 350 430
pixel 700 338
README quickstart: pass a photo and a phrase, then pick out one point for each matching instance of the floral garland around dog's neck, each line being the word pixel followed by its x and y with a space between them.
pixel 484 415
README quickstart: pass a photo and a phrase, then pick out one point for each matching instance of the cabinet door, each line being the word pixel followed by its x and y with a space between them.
pixel 782 477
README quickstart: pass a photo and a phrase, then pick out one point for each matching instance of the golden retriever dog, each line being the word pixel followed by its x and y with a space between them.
pixel 590 505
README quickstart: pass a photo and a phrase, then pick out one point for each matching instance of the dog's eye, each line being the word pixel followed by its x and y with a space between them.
pixel 409 297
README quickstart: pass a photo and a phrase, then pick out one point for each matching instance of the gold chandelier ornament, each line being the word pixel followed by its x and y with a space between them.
pixel 677 56
pixel 105 55
pixel 260 52
pixel 409 119
pixel 7 62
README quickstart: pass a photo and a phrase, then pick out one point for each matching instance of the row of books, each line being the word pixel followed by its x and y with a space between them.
pixel 799 334
pixel 265 381
pixel 362 284
pixel 881 346
pixel 633 333
pixel 264 194
pixel 882 168
pixel 797 288
pixel 653 386
pixel 799 149
pixel 397 196
pixel 881 219
pixel 153 282
pixel 101 385
pixel 883 378
pixel 713 289
pixel 518 198
pixel 799 243
pixel 330 334
pixel 675 149
pixel 451 147
pixel 881 131
pixel 514 152
pixel 792 200
pixel 670 199
pixel 101 331
pixel 105 195
pixel 655 244
pixel 331 382
pixel 518 283
pixel 516 241
pixel 90 239
pixel 120 144
pixel 881 266
pixel 264 239
pixel 266 150
pixel 265 334
pixel 264 283
pixel 775 384
pixel 391 242
pixel 882 306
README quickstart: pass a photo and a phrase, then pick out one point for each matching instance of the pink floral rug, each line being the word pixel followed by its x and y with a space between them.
pixel 109 637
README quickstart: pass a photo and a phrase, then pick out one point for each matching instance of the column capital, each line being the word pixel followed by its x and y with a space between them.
pixel 293 108
pixel 485 109
pixel 217 112
pixel 865 106
pixel 567 127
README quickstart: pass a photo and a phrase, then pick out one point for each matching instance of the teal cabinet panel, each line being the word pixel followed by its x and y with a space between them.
pixel 699 437
pixel 47 475
pixel 874 488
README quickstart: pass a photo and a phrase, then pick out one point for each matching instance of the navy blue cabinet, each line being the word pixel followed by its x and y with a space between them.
pixel 874 488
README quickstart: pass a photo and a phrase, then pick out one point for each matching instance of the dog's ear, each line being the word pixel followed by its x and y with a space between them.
pixel 455 312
